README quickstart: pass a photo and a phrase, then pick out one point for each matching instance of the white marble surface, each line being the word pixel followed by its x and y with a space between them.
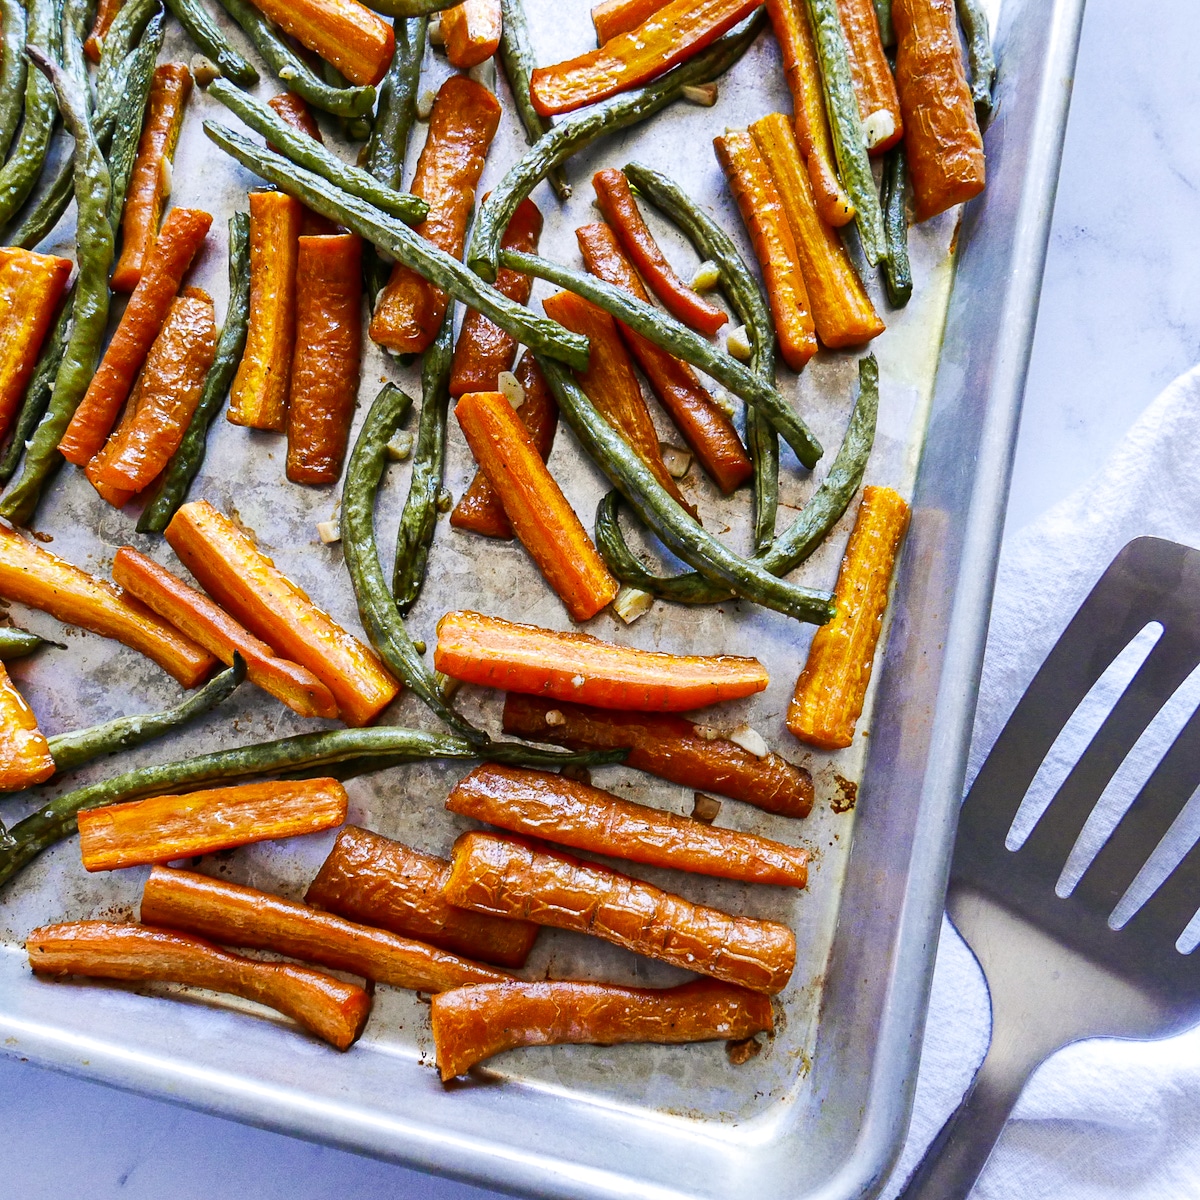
pixel 1119 318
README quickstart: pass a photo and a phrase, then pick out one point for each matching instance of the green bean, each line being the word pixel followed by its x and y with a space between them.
pixel 20 173
pixel 17 643
pixel 582 128
pixel 354 129
pixel 71 751
pixel 13 66
pixel 411 8
pixel 897 273
pixel 187 460
pixel 405 246
pixel 887 31
pixel 980 59
pixel 210 40
pixel 123 34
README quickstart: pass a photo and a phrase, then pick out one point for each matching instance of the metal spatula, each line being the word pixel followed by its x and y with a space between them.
pixel 1056 970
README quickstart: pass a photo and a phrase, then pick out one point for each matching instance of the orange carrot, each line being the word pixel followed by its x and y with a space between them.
pixel 620 16
pixel 106 12
pixel 247 584
pixel 581 668
pixel 874 86
pixel 472 32
pixel 25 757
pixel 540 514
pixel 347 34
pixel 209 626
pixel 149 184
pixel 295 111
pixel 463 122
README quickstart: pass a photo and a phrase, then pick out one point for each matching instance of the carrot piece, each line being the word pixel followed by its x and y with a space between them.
pixel 511 877
pixel 620 210
pixel 248 585
pixel 163 828
pixel 243 916
pixel 31 286
pixel 793 32
pixel 874 85
pixel 182 234
pixel 149 183
pixel 576 666
pixel 942 138
pixel 574 814
pixel 33 576
pixel 676 32
pixel 831 688
pixel 480 510
pixel 333 1010
pixel 197 617
pixel 620 16
pixel 774 247
pixel 347 34
pixel 25 757
pixel 259 395
pixel 667 746
pixel 540 514
pixel 327 355
pixel 472 32
pixel 483 349
pixel 106 12
pixel 295 111
pixel 842 311
pixel 705 427
pixel 377 881
pixel 463 122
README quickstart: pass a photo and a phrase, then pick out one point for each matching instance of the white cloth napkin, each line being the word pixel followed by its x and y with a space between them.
pixel 1101 1118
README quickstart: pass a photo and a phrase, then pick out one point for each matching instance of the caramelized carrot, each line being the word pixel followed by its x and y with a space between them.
pixel 472 32
pixel 575 814
pixel 347 34
pixel 576 666
pixel 259 395
pixel 325 362
pixel 106 12
pixel 762 211
pixel 247 584
pixel 620 210
pixel 842 311
pixel 209 626
pixel 676 32
pixel 182 234
pixel 874 85
pixel 295 111
pixel 463 122
pixel 370 878
pixel 480 510
pixel 831 688
pixel 942 138
pixel 33 576
pixel 150 181
pixel 242 916
pixel 540 514
pixel 705 427
pixel 163 828
pixel 620 16
pixel 25 757
pixel 333 1010
pixel 483 349
pixel 510 877
pixel 793 32
pixel 667 746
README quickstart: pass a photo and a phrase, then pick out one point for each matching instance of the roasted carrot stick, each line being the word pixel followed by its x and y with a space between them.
pixel 831 689
pixel 463 122
pixel 106 12
pixel 326 1006
pixel 842 310
pixel 327 355
pixel 242 916
pixel 705 427
pixel 472 32
pixel 163 828
pixel 370 878
pixel 483 349
pixel 762 211
pixel 942 138
pixel 347 34
pixel 197 617
pixel 674 33
pixel 295 111
pixel 533 502
pixel 874 86
pixel 480 509
pixel 471 1024
pixel 575 814
pixel 793 32
pixel 259 395
pixel 620 16
pixel 510 877
pixel 620 210
pixel 576 666
pixel 25 757
pixel 247 584
pixel 33 576
pixel 667 746
pixel 182 234
pixel 150 182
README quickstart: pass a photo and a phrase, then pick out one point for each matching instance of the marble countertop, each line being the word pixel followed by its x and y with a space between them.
pixel 1119 318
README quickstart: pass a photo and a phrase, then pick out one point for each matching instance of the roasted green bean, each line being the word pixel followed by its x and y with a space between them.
pixel 210 40
pixel 897 273
pixel 353 129
pixel 887 31
pixel 411 8
pixel 20 173
pixel 980 59
pixel 13 71
pixel 123 34
pixel 17 643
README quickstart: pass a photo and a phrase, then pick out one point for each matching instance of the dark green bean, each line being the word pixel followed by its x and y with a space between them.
pixel 20 173
pixel 123 35
pixel 354 129
pixel 411 8
pixel 897 273
pixel 17 643
pixel 13 69
pixel 187 460
pixel 980 59
pixel 887 31
pixel 44 214
pixel 210 40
